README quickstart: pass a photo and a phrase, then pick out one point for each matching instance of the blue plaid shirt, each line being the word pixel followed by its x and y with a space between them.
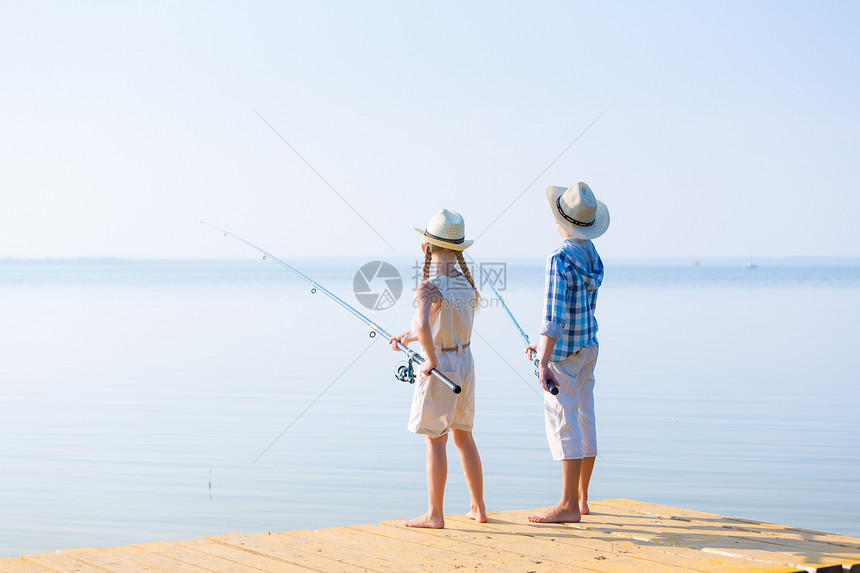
pixel 574 271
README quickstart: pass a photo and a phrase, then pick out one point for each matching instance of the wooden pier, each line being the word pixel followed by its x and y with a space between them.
pixel 618 535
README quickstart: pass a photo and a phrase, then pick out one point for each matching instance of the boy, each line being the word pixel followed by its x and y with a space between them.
pixel 568 347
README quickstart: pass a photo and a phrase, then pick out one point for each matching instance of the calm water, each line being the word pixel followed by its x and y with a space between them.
pixel 135 397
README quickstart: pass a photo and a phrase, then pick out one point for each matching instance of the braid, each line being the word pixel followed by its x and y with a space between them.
pixel 427 258
pixel 466 272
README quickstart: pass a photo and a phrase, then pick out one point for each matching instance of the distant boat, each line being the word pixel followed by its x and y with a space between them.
pixel 750 266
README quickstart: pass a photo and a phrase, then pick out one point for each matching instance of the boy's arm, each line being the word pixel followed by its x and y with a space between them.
pixel 555 317
pixel 544 373
pixel 555 299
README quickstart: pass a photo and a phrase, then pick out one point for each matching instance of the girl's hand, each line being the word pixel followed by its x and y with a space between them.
pixel 531 350
pixel 403 339
pixel 427 366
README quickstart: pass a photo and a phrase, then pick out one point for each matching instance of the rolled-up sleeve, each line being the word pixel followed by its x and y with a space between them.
pixel 555 296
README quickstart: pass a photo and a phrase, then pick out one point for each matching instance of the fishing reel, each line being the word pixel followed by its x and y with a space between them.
pixel 405 372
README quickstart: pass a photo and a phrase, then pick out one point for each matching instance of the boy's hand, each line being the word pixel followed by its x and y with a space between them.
pixel 531 350
pixel 545 374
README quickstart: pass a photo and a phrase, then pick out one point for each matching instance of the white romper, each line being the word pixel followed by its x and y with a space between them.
pixel 435 408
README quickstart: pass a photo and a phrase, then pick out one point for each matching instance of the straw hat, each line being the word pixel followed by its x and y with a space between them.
pixel 447 230
pixel 578 211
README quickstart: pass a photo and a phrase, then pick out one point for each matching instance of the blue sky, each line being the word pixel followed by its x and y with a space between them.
pixel 730 129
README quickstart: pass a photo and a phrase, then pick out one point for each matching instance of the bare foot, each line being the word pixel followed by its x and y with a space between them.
pixel 426 520
pixel 478 515
pixel 557 515
pixel 583 508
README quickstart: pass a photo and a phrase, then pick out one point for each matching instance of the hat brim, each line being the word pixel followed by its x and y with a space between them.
pixel 601 216
pixel 444 244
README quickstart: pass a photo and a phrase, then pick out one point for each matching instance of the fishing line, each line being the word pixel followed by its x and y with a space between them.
pixel 324 180
pixel 551 163
pixel 375 328
pixel 553 388
pixel 502 358
pixel 314 401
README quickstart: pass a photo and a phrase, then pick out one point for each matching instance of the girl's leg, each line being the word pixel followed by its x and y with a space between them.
pixel 437 473
pixel 471 462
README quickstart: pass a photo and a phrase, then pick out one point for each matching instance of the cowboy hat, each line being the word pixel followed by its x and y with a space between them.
pixel 578 211
pixel 447 230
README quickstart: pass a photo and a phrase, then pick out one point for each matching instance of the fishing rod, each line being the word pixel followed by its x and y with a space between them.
pixel 553 388
pixel 404 373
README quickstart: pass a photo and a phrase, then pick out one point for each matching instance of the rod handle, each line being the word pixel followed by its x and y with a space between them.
pixel 435 373
pixel 447 382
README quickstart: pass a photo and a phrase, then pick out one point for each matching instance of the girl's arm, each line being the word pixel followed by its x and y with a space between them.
pixel 427 297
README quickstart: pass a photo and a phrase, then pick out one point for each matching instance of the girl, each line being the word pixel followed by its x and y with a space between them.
pixel 444 311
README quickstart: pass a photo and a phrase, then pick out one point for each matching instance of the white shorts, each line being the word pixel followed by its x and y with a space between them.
pixel 569 416
pixel 435 408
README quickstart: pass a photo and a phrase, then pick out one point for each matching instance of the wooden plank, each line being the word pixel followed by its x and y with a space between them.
pixel 787 539
pixel 192 557
pixel 245 559
pixel 411 554
pixel 552 542
pixel 297 551
pixel 155 560
pixel 619 535
pixel 672 532
pixel 312 541
pixel 59 562
pixel 579 542
pixel 509 550
pixel 715 520
pixel 16 565
pixel 655 510
pixel 104 560
pixel 813 551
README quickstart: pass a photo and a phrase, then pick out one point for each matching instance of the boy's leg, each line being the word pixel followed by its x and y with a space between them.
pixel 567 509
pixel 587 425
pixel 584 479
pixel 437 473
pixel 471 462
pixel 565 439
